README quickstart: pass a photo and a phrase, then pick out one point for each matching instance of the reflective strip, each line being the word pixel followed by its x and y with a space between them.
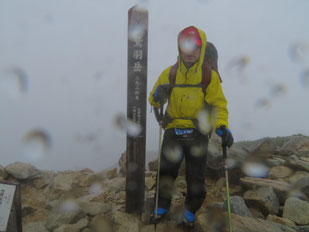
pixel 183 131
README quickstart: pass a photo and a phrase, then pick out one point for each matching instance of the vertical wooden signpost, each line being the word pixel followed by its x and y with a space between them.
pixel 10 207
pixel 136 108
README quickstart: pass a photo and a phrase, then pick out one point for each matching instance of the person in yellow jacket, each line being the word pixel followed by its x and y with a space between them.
pixel 184 137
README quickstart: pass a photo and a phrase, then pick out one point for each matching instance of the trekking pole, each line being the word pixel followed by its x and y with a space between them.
pixel 227 189
pixel 158 168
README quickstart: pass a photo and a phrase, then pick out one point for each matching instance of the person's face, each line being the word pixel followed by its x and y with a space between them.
pixel 190 57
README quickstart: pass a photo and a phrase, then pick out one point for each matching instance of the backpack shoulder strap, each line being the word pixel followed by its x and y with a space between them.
pixel 172 75
pixel 206 76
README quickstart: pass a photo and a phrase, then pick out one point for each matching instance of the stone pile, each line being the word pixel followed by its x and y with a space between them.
pixel 269 188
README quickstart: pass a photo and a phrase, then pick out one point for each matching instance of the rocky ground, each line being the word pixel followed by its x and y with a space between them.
pixel 269 188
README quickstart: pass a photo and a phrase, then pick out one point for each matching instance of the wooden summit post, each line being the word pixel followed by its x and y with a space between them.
pixel 136 108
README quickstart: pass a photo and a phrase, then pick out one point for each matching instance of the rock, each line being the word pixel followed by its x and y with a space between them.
pixel 303 185
pixel 280 187
pixel 264 199
pixel 256 214
pixel 246 224
pixel 64 213
pixel 35 227
pixel 77 227
pixel 153 165
pixel 126 222
pixel 297 176
pixel 122 164
pixel 298 164
pixel 22 171
pixel 238 206
pixel 101 223
pixel 279 172
pixel 46 178
pixel 65 181
pixel 263 146
pixel 116 184
pixel 94 208
pixel 296 210
pixel 108 174
pixel 280 220
pixel 3 173
pixel 297 143
pixel 150 183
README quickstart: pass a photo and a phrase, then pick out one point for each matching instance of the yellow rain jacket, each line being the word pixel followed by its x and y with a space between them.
pixel 185 103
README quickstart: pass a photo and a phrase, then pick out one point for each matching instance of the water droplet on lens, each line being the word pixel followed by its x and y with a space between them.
pixel 188 45
pixel 132 128
pixel 68 205
pixel 254 167
pixel 136 32
pixel 298 51
pixel 14 83
pixel 304 78
pixel 263 103
pixel 132 185
pixel 96 188
pixel 198 151
pixel 204 123
pixel 36 144
pixel 279 90
pixel 173 153
pixel 132 167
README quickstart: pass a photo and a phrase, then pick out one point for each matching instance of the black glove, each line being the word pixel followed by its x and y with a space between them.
pixel 161 93
pixel 226 135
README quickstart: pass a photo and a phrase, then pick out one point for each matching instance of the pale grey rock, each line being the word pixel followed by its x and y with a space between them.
pixel 296 210
pixel 297 143
pixel 22 171
pixel 298 164
pixel 238 206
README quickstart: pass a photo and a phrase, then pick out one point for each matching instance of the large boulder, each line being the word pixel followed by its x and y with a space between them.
pixel 76 227
pixel 3 173
pixel 297 143
pixel 66 212
pixel 238 206
pixel 22 171
pixel 280 187
pixel 264 199
pixel 35 227
pixel 279 172
pixel 263 146
pixel 296 210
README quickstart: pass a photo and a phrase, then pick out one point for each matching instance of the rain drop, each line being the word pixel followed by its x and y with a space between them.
pixel 68 205
pixel 173 153
pixel 14 83
pixel 255 168
pixel 132 128
pixel 304 78
pixel 279 90
pixel 188 45
pixel 136 32
pixel 96 189
pixel 263 103
pixel 36 144
pixel 298 51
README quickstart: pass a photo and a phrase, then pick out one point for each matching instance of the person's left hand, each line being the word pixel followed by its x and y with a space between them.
pixel 226 135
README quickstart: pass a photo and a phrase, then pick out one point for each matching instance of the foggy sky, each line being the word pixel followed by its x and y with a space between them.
pixel 74 55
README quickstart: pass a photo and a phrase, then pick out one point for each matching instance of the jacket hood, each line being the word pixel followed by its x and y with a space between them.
pixel 200 61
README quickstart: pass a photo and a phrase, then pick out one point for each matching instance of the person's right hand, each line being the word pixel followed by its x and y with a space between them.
pixel 161 93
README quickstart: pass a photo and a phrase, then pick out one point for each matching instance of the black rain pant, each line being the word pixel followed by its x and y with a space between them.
pixel 192 147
